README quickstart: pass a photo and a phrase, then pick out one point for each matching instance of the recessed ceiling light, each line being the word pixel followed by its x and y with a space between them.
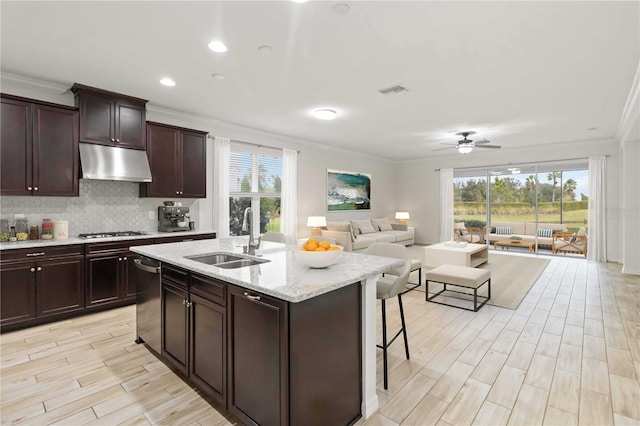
pixel 217 46
pixel 265 49
pixel 167 82
pixel 324 114
pixel 591 129
pixel 217 76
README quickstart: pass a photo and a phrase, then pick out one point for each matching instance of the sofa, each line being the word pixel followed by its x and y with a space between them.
pixel 526 230
pixel 357 235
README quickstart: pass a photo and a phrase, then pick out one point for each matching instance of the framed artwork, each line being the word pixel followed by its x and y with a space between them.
pixel 347 191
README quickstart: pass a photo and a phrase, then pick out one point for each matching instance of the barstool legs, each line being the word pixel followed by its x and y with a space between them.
pixel 385 345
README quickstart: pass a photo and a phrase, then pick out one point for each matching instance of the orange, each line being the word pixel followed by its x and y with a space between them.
pixel 325 244
pixel 333 248
pixel 312 240
pixel 320 249
pixel 310 247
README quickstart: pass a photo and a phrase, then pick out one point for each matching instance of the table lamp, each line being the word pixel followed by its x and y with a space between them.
pixel 402 217
pixel 316 222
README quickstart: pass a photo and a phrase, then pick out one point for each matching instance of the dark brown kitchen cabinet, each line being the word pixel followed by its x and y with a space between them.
pixel 177 158
pixel 38 148
pixel 111 275
pixel 283 356
pixel 194 329
pixel 184 238
pixel 39 285
pixel 108 118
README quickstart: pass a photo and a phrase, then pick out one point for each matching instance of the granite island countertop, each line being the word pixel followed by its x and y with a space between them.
pixel 77 240
pixel 283 277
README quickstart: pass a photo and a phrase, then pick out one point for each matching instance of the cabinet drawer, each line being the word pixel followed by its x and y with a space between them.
pixel 184 238
pixel 175 276
pixel 209 288
pixel 115 246
pixel 41 252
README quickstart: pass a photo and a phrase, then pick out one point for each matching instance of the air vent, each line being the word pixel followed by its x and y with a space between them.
pixel 393 90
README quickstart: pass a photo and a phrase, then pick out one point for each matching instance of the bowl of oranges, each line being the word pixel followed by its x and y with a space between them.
pixel 319 254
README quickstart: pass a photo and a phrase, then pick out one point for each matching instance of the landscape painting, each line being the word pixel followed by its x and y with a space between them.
pixel 348 191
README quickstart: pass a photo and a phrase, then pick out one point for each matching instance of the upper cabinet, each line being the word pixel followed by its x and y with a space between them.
pixel 108 118
pixel 177 158
pixel 38 148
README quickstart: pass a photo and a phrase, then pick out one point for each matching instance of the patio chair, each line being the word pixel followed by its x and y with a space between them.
pixel 466 233
pixel 567 242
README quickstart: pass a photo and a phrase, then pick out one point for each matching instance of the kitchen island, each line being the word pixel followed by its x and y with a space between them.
pixel 300 342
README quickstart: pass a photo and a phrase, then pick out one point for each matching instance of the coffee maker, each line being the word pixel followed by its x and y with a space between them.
pixel 172 219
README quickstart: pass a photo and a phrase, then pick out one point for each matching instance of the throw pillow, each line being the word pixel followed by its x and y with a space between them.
pixel 354 229
pixel 460 228
pixel 503 230
pixel 492 230
pixel 382 224
pixel 365 226
pixel 545 232
pixel 341 227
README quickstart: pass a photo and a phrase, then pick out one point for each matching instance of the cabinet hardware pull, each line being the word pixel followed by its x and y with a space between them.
pixel 184 301
pixel 113 140
pixel 40 253
pixel 189 304
pixel 117 140
pixel 250 297
pixel 33 269
pixel 39 268
pixel 124 258
pixel 119 259
pixel 177 193
pixel 35 188
pixel 29 188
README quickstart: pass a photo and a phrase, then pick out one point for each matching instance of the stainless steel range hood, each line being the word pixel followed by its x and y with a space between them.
pixel 101 162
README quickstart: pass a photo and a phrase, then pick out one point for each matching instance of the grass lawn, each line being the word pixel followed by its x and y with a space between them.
pixel 573 219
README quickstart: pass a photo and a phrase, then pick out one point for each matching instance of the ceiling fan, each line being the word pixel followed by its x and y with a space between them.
pixel 465 145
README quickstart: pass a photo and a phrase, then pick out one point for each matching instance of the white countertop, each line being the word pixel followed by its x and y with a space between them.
pixel 76 240
pixel 283 276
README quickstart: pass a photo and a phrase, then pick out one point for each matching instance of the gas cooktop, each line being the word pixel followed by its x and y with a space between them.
pixel 111 234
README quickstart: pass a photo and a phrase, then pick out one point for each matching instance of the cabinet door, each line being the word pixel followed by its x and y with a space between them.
pixel 193 165
pixel 207 362
pixel 130 126
pixel 60 286
pixel 17 293
pixel 162 150
pixel 103 276
pixel 97 118
pixel 175 326
pixel 258 358
pixel 55 151
pixel 15 148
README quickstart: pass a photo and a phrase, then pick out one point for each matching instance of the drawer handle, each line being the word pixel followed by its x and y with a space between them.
pixel 251 297
pixel 40 253
pixel 29 188
pixel 33 269
pixel 39 268
pixel 35 188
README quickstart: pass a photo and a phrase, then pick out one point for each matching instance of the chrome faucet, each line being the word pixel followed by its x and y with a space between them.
pixel 247 226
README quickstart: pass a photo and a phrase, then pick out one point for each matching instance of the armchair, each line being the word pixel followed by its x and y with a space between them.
pixel 466 233
pixel 567 242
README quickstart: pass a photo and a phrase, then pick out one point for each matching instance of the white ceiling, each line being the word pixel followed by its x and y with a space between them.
pixel 518 73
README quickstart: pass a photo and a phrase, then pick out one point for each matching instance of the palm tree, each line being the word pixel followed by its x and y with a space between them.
pixel 569 187
pixel 554 176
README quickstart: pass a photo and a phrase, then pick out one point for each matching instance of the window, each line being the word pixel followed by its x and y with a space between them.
pixel 255 181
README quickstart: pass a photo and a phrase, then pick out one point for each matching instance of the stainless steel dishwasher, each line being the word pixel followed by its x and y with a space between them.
pixel 148 303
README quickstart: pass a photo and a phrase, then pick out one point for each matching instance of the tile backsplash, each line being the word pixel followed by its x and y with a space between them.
pixel 102 206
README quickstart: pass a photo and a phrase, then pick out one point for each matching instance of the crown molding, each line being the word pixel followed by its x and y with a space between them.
pixel 631 112
pixel 32 83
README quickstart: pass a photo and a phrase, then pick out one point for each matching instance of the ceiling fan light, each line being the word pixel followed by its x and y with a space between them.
pixel 464 149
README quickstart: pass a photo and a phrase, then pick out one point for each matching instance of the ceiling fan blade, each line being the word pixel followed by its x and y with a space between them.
pixel 482 142
pixel 489 146
pixel 449 144
pixel 442 149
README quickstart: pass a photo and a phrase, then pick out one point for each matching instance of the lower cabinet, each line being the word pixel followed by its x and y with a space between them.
pixel 37 285
pixel 194 330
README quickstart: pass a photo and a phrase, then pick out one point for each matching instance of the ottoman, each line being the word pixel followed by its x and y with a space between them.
pixel 462 277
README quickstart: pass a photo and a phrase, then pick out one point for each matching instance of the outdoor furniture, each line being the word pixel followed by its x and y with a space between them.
pixel 459 276
pixel 466 233
pixel 567 242
pixel 515 243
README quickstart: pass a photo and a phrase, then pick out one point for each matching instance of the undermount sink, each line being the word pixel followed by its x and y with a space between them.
pixel 225 260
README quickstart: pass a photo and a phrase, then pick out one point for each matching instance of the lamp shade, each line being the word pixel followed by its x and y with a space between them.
pixel 402 215
pixel 316 221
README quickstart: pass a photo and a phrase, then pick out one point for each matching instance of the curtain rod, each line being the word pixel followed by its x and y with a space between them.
pixel 253 144
pixel 518 164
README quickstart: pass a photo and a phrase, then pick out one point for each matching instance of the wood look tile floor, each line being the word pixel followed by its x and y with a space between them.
pixel 570 354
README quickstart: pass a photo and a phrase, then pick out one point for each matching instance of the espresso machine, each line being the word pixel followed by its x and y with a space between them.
pixel 173 218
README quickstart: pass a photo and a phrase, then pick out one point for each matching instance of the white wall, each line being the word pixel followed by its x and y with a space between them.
pixel 420 191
